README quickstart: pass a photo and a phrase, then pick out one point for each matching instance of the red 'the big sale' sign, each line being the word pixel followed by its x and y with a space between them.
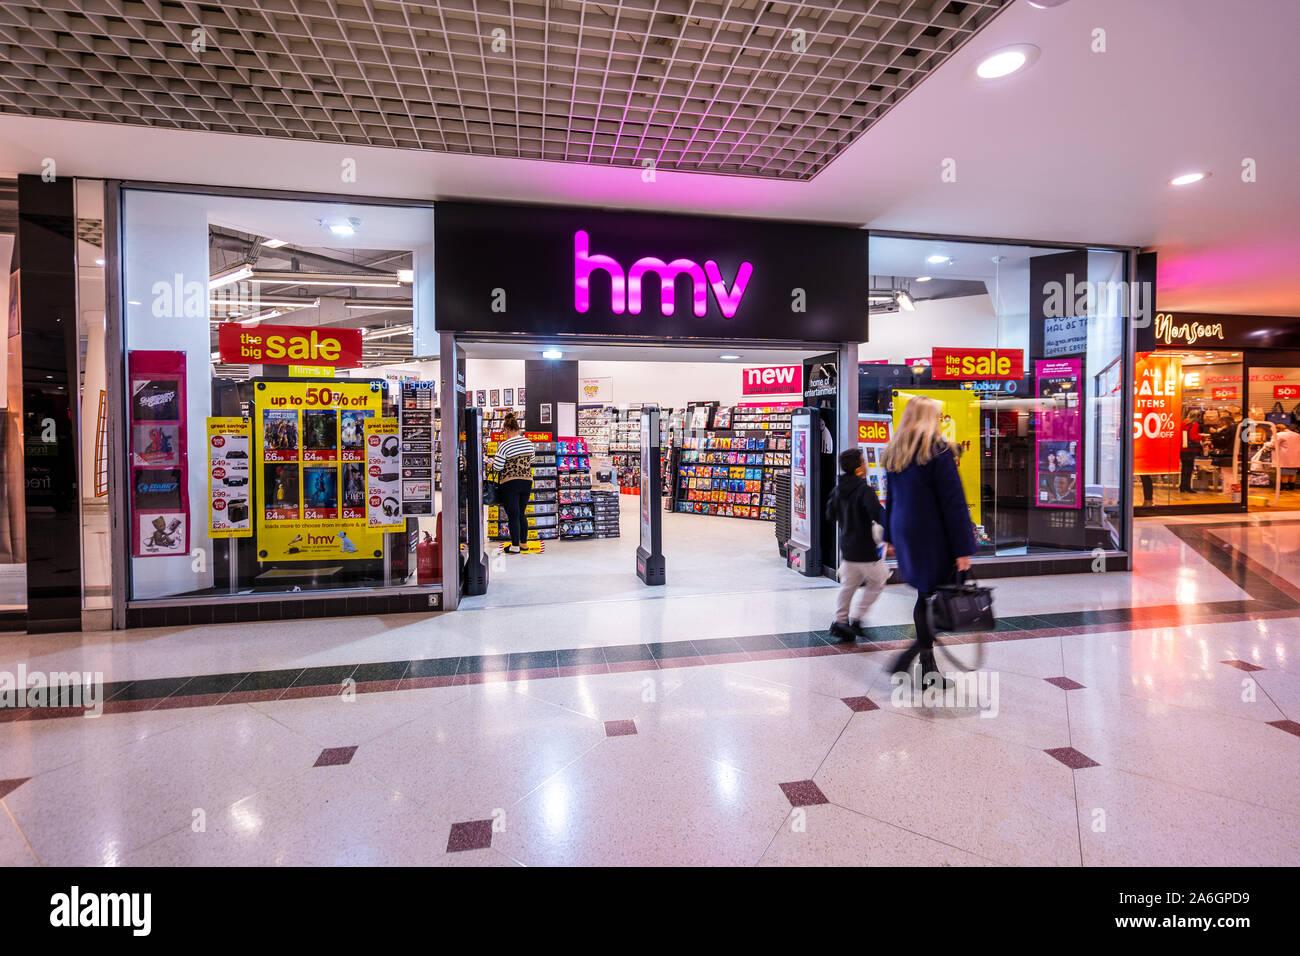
pixel 978 363
pixel 289 345
pixel 772 380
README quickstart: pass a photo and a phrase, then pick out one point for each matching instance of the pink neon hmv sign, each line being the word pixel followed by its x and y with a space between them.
pixel 626 287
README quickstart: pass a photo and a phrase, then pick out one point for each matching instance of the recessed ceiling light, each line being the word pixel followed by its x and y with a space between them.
pixel 1045 4
pixel 99 262
pixel 923 278
pixel 935 260
pixel 1006 61
pixel 342 229
pixel 728 357
pixel 552 354
pixel 1186 179
pixel 275 243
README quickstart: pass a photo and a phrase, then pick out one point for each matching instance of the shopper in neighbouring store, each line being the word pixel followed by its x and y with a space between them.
pixel 1286 454
pixel 1191 450
pixel 513 464
pixel 856 510
pixel 928 521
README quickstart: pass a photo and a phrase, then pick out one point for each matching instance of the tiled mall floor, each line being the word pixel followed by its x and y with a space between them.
pixel 1128 718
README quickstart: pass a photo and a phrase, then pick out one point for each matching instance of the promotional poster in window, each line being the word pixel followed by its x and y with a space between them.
pixel 1058 434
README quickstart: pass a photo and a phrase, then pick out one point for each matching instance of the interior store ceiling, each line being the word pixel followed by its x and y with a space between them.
pixel 742 87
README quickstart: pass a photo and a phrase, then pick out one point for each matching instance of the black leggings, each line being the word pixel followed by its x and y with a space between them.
pixel 514 498
pixel 921 618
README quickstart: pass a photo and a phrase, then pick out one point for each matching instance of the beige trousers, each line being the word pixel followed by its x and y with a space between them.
pixel 860 584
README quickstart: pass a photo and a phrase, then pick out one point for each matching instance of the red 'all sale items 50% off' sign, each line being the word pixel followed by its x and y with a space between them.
pixel 1157 407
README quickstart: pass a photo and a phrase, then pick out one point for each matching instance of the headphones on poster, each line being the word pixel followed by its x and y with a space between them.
pixel 391 507
pixel 389 448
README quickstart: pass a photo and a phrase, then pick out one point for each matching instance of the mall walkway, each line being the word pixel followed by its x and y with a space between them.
pixel 1126 718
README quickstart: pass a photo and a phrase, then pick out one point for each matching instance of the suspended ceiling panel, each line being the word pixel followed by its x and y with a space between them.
pixel 735 87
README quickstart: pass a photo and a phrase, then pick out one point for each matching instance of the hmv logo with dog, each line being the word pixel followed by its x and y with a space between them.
pixel 626 287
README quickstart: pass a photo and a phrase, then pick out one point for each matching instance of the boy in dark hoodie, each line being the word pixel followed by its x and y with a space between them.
pixel 853 506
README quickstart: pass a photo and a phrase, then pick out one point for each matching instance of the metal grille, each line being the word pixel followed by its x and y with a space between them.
pixel 740 87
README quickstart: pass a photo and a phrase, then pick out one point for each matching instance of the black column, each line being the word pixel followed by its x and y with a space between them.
pixel 45 252
pixel 548 382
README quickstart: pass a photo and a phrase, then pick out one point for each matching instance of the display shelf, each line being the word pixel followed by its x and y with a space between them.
pixel 732 472
pixel 573 488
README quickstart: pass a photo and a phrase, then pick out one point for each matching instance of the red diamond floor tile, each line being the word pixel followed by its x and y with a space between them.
pixel 9 786
pixel 620 728
pixel 1072 758
pixel 335 756
pixel 1064 683
pixel 474 835
pixel 803 793
pixel 1242 665
pixel 860 704
pixel 1290 726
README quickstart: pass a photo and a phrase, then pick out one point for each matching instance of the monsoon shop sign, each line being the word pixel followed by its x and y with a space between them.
pixel 1169 331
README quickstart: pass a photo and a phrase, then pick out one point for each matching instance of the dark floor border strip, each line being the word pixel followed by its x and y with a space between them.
pixel 296 683
pixel 1268 599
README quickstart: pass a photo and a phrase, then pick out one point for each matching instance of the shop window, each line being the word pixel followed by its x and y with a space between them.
pixel 1188 411
pixel 1023 346
pixel 281 420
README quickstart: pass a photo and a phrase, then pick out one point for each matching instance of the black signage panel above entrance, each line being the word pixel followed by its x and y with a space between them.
pixel 552 271
pixel 1207 332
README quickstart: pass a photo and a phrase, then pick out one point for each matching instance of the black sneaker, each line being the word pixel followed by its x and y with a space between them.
pixel 857 629
pixel 842 632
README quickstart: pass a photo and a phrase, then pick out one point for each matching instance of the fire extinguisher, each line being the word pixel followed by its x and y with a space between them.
pixel 426 560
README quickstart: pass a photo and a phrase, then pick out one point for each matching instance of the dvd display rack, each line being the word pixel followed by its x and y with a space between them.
pixel 596 424
pixel 604 506
pixel 543 503
pixel 732 472
pixel 573 469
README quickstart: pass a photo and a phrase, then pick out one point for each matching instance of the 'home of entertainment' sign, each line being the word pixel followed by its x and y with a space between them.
pixel 551 271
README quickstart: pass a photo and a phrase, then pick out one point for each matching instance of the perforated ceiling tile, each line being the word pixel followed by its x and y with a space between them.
pixel 723 87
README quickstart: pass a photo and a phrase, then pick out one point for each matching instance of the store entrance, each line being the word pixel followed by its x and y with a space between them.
pixel 724 455
pixel 1271 441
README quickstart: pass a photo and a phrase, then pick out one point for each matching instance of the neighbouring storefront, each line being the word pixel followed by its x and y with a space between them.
pixel 1217 414
pixel 1025 346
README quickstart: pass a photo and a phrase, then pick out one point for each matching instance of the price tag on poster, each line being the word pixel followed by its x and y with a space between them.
pixel 229 478
pixel 383 474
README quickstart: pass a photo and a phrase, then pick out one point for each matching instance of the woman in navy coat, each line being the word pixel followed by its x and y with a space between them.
pixel 926 518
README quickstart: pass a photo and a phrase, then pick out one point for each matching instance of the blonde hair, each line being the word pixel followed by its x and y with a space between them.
pixel 918 437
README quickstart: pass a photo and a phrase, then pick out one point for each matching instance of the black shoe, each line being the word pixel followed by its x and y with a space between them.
pixel 903 662
pixel 857 629
pixel 930 674
pixel 842 632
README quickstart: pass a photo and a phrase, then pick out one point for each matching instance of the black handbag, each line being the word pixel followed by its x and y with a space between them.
pixel 491 493
pixel 964 607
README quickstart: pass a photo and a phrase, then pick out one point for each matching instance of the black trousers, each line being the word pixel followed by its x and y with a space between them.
pixel 924 643
pixel 514 498
pixel 1188 461
pixel 1147 489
